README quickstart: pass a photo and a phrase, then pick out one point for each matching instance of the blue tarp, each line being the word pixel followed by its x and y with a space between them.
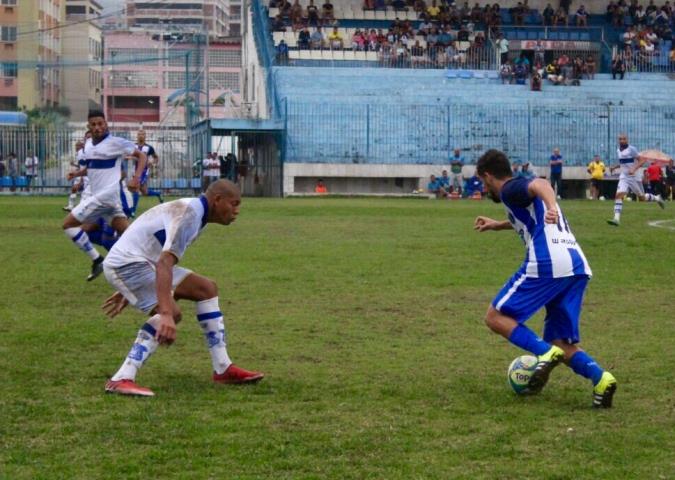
pixel 13 118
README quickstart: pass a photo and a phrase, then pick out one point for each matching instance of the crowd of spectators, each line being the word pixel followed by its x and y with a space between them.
pixel 560 71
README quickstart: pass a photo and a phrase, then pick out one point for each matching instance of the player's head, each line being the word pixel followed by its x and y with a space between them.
pixel 556 151
pixel 97 124
pixel 140 137
pixel 493 168
pixel 224 200
pixel 623 140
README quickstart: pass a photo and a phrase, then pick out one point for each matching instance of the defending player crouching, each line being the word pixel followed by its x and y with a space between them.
pixel 142 266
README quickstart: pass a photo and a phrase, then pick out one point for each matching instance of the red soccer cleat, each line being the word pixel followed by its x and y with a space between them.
pixel 236 375
pixel 127 387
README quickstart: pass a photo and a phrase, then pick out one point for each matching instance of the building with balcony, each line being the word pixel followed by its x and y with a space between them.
pixel 82 58
pixel 146 75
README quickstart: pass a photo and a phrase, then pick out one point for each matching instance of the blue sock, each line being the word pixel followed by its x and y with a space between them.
pixel 136 196
pixel 584 365
pixel 523 337
pixel 155 193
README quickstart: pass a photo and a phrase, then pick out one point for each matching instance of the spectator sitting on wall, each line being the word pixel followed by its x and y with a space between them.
pixel 335 40
pixel 358 41
pixel 553 73
pixel 503 46
pixel 506 73
pixel 520 74
pixel 560 18
pixel 444 181
pixel 589 67
pixel 303 39
pixel 472 186
pixel 618 67
pixel 434 187
pixel 525 171
pixel 417 55
pixel 463 34
pixel 522 60
pixel 581 16
pixel 282 53
pixel 320 187
pixel 316 39
pixel 535 82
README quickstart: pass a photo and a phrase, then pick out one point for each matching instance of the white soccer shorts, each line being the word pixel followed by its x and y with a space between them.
pixel 138 282
pixel 630 184
pixel 111 203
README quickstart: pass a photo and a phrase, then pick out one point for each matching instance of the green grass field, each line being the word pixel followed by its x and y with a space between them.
pixel 367 317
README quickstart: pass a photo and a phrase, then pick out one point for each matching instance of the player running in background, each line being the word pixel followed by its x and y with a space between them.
pixel 629 163
pixel 554 275
pixel 103 154
pixel 79 183
pixel 153 160
pixel 142 266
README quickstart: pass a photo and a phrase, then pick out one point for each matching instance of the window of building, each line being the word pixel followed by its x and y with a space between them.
pixel 224 81
pixel 7 2
pixel 8 69
pixel 134 79
pixel 225 58
pixel 7 34
pixel 176 80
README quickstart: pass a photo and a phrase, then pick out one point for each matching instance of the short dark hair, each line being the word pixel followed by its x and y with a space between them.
pixel 95 113
pixel 495 163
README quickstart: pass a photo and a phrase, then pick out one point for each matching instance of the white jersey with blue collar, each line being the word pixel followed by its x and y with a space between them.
pixel 627 159
pixel 104 160
pixel 552 250
pixel 168 227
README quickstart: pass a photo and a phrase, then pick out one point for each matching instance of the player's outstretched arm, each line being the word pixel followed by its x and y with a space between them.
pixel 166 332
pixel 483 224
pixel 76 173
pixel 640 162
pixel 542 189
pixel 114 304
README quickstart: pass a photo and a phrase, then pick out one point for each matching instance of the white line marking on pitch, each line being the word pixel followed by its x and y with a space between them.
pixel 660 224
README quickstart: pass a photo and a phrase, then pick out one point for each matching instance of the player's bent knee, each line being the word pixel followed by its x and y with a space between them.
pixel 492 319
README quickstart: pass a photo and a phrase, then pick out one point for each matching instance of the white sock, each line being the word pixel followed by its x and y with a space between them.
pixel 650 198
pixel 211 320
pixel 144 346
pixel 618 206
pixel 81 239
pixel 71 200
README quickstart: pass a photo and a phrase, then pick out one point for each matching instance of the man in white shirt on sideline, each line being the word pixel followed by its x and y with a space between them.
pixel 142 267
pixel 110 199
pixel 210 169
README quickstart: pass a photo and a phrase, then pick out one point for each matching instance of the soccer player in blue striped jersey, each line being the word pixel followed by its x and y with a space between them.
pixel 629 163
pixel 554 275
pixel 153 159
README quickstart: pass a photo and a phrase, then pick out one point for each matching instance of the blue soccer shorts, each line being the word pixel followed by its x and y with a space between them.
pixel 523 296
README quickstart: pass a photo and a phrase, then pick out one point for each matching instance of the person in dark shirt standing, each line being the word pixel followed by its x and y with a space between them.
pixel 556 163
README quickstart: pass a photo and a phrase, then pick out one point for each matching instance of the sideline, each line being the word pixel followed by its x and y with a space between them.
pixel 660 224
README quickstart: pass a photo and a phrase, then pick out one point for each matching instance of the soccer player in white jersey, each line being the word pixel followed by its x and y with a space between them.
pixel 109 195
pixel 629 163
pixel 153 159
pixel 142 266
pixel 554 275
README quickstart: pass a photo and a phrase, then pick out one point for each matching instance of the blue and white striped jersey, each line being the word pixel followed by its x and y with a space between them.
pixel 627 158
pixel 551 249
pixel 103 161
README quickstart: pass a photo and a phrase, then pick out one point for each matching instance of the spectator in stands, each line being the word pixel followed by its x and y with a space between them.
pixel 278 24
pixel 335 40
pixel 296 12
pixel 401 53
pixel 369 4
pixel 616 12
pixel 556 164
pixel 327 13
pixel 417 55
pixel 522 60
pixel 316 39
pixel 476 14
pixel 639 17
pixel 312 14
pixel 655 175
pixel 520 74
pixel 433 11
pixel 432 38
pixel 670 181
pixel 506 73
pixel 578 70
pixel 581 16
pixel 629 37
pixel 503 47
pixel 565 6
pixel 548 15
pixel 434 187
pixel 596 169
pixel 420 8
pixel 358 41
pixel 518 14
pixel 618 67
pixel 463 34
pixel 589 67
pixel 560 18
pixel 539 52
pixel 479 40
pixel 445 37
pixel 553 73
pixel 282 53
pixel 320 187
pixel 303 39
pixel 456 165
pixel 399 6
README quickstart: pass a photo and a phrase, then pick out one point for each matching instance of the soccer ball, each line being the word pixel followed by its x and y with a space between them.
pixel 602 198
pixel 520 371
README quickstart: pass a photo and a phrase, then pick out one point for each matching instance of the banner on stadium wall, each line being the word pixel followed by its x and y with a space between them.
pixel 553 45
